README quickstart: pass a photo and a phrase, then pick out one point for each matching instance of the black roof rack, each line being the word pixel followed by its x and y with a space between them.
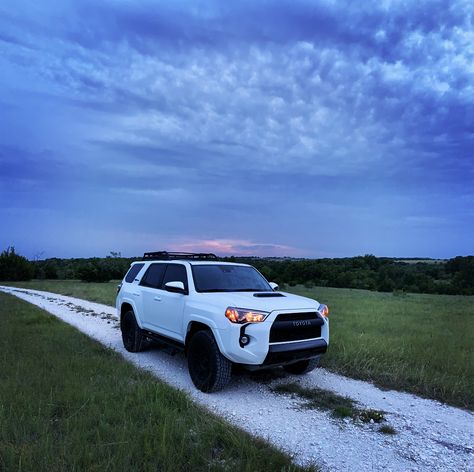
pixel 166 256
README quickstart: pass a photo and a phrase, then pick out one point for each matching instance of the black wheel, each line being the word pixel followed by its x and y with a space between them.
pixel 210 371
pixel 302 367
pixel 132 336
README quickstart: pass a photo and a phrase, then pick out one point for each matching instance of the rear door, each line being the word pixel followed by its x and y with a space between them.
pixel 151 296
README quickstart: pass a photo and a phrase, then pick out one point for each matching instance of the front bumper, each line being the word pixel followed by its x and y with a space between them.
pixel 276 340
pixel 295 351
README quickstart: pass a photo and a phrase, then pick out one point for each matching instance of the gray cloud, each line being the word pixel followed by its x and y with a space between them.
pixel 242 111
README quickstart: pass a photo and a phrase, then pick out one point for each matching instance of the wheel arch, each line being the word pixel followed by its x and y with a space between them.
pixel 124 308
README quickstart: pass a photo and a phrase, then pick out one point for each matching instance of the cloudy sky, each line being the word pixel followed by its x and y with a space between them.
pixel 318 129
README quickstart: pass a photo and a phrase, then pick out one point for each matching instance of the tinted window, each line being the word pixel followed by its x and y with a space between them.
pixel 176 273
pixel 133 272
pixel 228 278
pixel 153 276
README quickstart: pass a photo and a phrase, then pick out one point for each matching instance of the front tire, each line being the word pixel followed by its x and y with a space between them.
pixel 302 367
pixel 132 336
pixel 210 371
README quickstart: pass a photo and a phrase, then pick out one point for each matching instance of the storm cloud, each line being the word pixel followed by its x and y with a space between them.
pixel 279 128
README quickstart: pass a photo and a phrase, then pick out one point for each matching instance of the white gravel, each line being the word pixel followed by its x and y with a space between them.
pixel 430 436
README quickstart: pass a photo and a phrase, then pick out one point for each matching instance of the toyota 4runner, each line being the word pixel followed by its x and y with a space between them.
pixel 221 313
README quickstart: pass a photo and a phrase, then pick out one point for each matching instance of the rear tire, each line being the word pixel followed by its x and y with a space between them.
pixel 302 367
pixel 210 371
pixel 132 336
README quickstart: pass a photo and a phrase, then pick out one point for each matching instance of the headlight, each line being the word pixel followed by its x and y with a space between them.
pixel 323 310
pixel 242 315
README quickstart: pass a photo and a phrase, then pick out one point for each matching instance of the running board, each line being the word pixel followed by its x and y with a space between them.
pixel 174 345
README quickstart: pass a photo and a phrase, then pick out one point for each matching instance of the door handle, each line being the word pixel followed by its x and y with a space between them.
pixel 157 299
pixel 136 294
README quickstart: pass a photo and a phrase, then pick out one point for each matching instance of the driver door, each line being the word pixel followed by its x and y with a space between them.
pixel 172 304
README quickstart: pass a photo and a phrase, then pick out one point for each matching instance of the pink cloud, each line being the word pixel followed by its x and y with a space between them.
pixel 236 247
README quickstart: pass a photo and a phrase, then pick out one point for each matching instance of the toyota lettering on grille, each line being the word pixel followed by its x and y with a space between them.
pixel 302 323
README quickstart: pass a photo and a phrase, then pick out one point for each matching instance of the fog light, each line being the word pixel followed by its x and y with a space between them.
pixel 244 340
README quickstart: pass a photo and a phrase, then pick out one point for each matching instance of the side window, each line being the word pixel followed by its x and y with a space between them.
pixel 133 272
pixel 176 273
pixel 153 276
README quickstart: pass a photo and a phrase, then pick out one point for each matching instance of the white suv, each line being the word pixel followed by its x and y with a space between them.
pixel 221 313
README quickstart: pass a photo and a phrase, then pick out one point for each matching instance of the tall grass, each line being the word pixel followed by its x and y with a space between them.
pixel 68 403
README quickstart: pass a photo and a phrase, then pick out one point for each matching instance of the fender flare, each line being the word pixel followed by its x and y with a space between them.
pixel 210 324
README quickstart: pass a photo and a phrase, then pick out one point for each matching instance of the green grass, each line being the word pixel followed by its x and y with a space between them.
pixel 414 342
pixel 339 406
pixel 68 403
pixel 96 292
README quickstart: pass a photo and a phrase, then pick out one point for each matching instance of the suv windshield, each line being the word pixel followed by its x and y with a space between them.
pixel 228 278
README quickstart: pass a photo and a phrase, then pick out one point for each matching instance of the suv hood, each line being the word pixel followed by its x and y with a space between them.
pixel 249 301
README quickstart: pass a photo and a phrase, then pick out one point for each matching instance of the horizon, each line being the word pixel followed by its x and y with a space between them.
pixel 119 255
pixel 277 129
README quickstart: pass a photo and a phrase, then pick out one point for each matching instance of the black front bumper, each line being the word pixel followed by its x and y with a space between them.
pixel 296 351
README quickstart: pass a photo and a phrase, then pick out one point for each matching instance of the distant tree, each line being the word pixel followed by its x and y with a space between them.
pixel 455 276
pixel 462 270
pixel 47 269
pixel 93 272
pixel 15 267
pixel 268 273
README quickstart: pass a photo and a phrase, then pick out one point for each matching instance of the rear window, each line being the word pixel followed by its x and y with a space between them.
pixel 133 272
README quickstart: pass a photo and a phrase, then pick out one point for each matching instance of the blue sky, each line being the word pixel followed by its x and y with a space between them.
pixel 316 129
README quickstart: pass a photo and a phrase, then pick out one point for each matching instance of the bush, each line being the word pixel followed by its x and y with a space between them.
pixel 14 267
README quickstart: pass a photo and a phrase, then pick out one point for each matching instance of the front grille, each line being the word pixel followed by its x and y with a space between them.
pixel 296 327
pixel 296 316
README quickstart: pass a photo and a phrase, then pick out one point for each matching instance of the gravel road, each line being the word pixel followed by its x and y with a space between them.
pixel 430 436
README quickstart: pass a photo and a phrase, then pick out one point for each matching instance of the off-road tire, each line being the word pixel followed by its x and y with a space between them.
pixel 302 367
pixel 210 371
pixel 132 336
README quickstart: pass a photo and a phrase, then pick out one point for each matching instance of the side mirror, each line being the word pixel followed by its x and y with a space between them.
pixel 176 287
pixel 274 286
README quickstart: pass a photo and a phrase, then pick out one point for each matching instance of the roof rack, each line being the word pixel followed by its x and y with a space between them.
pixel 166 256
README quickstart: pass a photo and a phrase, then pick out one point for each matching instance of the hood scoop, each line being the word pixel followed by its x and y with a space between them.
pixel 268 294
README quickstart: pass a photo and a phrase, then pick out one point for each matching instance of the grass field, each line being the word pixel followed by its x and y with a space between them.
pixel 413 342
pixel 68 403
pixel 96 292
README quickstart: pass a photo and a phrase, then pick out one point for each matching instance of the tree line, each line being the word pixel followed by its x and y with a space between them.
pixel 453 276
